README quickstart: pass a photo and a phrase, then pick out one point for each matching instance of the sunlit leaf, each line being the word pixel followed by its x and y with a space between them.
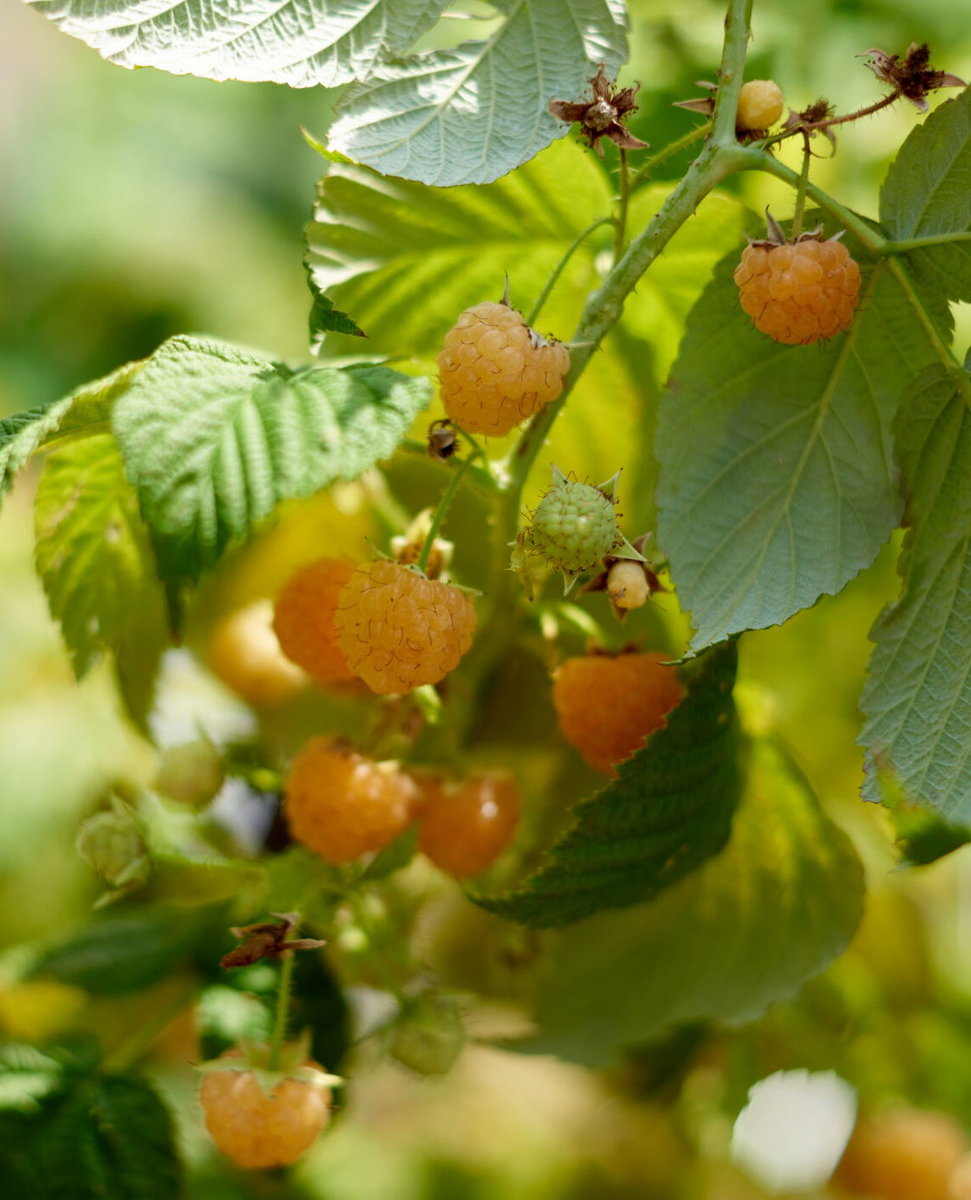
pixel 471 114
pixel 303 45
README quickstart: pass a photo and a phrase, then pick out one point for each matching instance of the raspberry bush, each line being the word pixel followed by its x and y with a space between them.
pixel 384 754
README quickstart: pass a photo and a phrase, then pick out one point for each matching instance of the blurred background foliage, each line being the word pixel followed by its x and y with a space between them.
pixel 137 205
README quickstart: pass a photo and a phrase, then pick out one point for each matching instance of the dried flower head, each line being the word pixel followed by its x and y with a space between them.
pixel 911 76
pixel 602 116
pixel 267 939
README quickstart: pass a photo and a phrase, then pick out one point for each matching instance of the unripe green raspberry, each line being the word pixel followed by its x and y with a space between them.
pixel 574 526
pixel 111 843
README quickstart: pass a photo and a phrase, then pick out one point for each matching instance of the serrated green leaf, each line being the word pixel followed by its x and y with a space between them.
pixel 917 698
pixel 85 410
pixel 927 193
pixel 95 561
pixel 299 44
pixel 670 808
pixel 325 317
pixel 214 437
pixel 777 483
pixel 471 114
pixel 744 930
pixel 105 1137
pixel 123 952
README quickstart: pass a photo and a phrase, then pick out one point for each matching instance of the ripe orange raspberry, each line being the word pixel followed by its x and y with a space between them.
pixel 495 371
pixel 342 805
pixel 760 105
pixel 256 1128
pixel 397 629
pixel 903 1154
pixel 606 705
pixel 464 827
pixel 303 619
pixel 799 292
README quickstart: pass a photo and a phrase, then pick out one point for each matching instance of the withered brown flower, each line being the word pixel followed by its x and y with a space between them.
pixel 269 939
pixel 911 76
pixel 602 116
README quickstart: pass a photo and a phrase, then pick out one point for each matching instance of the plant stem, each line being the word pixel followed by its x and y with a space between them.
pixel 753 159
pixel 287 960
pixel 695 135
pixel 558 269
pixel 443 506
pixel 800 209
pixel 623 200
pixel 918 243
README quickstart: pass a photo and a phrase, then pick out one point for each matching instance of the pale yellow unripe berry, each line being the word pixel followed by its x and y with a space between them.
pixel 760 105
pixel 627 584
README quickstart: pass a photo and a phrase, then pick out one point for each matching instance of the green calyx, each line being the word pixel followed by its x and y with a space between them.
pixel 574 527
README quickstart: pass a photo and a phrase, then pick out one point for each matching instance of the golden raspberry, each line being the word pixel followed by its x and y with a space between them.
pixel 304 619
pixel 259 1130
pixel 495 371
pixel 606 705
pixel 760 105
pixel 799 292
pixel 464 827
pixel 245 654
pixel 398 629
pixel 342 805
pixel 903 1154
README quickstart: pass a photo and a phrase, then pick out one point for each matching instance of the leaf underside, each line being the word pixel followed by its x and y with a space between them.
pixel 670 808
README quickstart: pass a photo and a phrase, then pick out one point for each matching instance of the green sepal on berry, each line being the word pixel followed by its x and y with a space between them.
pixel 574 528
pixel 291 1063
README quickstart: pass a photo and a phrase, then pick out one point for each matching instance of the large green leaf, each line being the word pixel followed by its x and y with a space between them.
pixel 292 42
pixel 471 114
pixel 85 410
pixel 744 930
pixel 96 563
pixel 214 437
pixel 918 695
pixel 670 808
pixel 927 193
pixel 126 951
pixel 777 483
pixel 102 1137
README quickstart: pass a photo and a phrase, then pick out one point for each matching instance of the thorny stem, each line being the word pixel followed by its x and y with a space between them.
pixel 284 987
pixel 820 126
pixel 558 269
pixel 623 200
pixel 800 210
pixel 695 135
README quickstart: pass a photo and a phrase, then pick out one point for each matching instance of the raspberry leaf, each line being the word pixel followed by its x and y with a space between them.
pixel 85 410
pixel 109 1136
pixel 744 930
pixel 917 698
pixel 927 194
pixel 777 482
pixel 95 560
pixel 124 952
pixel 302 45
pixel 670 808
pixel 471 114
pixel 214 437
